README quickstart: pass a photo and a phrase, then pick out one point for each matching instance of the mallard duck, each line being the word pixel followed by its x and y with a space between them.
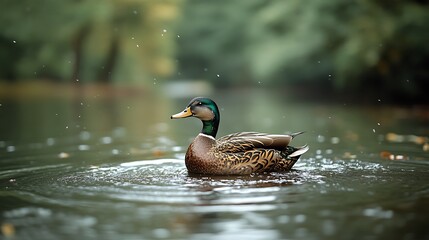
pixel 238 153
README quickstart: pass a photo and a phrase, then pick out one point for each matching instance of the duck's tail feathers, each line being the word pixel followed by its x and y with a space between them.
pixel 299 151
pixel 296 134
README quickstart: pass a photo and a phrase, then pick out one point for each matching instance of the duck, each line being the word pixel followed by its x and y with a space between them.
pixel 241 153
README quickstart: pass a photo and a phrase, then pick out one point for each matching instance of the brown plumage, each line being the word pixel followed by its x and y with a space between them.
pixel 238 153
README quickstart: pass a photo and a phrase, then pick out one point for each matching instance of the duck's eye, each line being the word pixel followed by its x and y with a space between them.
pixel 199 103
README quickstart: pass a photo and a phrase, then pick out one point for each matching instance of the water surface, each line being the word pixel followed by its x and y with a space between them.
pixel 111 167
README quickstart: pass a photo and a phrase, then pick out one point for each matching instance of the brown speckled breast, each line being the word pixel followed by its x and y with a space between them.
pixel 198 159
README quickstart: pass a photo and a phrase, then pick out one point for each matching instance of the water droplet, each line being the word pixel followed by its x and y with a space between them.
pixel 137 45
pixel 161 233
pixel 176 148
pixel 135 12
pixel 50 141
pixel 329 227
pixel 378 124
pixel 335 140
pixel 378 212
pixel 83 147
pixel 85 135
pixel 14 41
pixel 10 149
pixel 67 127
pixel 178 36
pixel 217 75
pixel 63 155
pixel 106 140
pixel 164 30
pixel 115 151
pixel 300 218
pixel 373 130
pixel 283 219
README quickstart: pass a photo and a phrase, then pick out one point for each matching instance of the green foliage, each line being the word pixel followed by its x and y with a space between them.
pixel 402 68
pixel 338 44
pixel 34 32
pixel 87 39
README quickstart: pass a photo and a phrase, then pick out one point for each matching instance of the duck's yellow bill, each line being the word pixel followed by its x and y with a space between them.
pixel 183 114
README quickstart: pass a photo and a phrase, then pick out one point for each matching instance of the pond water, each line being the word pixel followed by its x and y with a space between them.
pixel 111 166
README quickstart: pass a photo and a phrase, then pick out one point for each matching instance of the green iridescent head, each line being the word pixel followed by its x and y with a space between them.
pixel 204 109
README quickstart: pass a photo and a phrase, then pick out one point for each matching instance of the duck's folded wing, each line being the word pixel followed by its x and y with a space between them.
pixel 244 141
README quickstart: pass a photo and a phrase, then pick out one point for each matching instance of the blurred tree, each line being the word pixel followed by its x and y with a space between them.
pixel 213 39
pixel 402 67
pixel 38 31
pixel 116 40
pixel 344 45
